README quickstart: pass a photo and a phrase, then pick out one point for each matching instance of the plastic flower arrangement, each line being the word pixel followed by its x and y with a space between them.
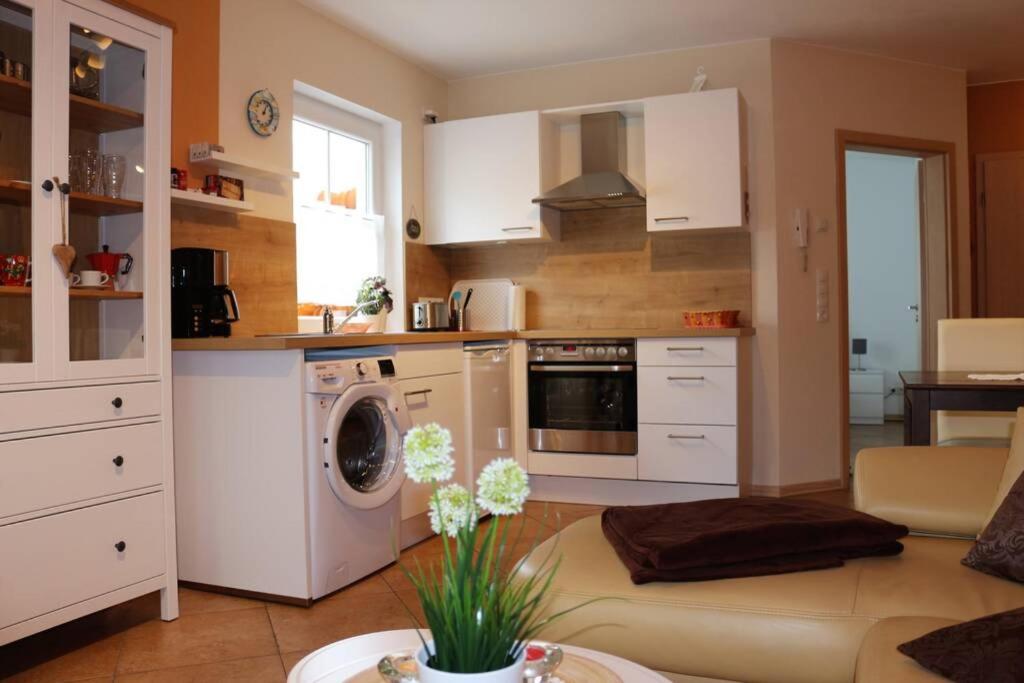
pixel 376 295
pixel 481 616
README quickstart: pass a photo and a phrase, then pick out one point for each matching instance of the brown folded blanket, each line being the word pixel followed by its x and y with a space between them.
pixel 730 538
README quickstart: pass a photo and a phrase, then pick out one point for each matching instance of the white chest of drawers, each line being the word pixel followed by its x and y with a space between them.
pixel 692 410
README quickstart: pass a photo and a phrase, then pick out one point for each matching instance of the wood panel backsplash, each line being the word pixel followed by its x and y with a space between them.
pixel 262 264
pixel 608 271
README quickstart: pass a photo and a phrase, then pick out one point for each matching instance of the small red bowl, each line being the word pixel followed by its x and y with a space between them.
pixel 711 319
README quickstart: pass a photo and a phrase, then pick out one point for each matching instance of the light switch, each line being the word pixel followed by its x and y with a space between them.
pixel 821 295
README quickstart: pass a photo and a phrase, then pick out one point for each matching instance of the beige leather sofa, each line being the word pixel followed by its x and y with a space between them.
pixel 829 626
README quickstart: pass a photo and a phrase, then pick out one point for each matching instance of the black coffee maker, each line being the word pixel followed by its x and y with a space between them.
pixel 202 303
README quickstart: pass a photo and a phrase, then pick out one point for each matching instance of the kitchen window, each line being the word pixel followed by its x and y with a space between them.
pixel 339 232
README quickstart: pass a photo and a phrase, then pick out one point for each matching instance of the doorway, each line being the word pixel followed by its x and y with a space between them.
pixel 896 275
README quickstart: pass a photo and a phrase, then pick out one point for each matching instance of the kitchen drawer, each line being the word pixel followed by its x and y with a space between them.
pixel 36 474
pixel 55 561
pixel 44 408
pixel 867 382
pixel 690 395
pixel 702 351
pixel 701 455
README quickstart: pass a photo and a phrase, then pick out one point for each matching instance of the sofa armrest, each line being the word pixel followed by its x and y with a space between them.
pixel 947 491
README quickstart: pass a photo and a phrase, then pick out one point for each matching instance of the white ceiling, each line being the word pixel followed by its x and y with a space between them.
pixel 464 38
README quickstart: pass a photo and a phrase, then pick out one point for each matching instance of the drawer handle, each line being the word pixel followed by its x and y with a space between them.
pixel 686 436
pixel 117 402
pixel 695 378
pixel 669 219
pixel 118 461
pixel 420 392
pixel 522 229
pixel 120 546
pixel 684 348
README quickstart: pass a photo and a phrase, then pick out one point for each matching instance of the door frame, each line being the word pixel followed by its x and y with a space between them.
pixel 980 287
pixel 887 144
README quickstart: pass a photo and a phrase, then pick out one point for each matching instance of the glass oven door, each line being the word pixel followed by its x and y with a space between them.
pixel 583 408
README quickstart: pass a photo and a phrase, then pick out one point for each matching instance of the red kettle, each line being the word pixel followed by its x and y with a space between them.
pixel 110 263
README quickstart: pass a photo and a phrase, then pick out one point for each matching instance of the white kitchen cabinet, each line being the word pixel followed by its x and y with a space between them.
pixel 693 147
pixel 82 369
pixel 693 410
pixel 432 387
pixel 481 175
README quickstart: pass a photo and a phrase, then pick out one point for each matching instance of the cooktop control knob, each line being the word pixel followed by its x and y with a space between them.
pixel 623 352
pixel 600 352
pixel 550 350
pixel 588 352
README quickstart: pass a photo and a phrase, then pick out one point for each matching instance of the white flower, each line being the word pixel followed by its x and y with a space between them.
pixel 503 487
pixel 428 454
pixel 451 510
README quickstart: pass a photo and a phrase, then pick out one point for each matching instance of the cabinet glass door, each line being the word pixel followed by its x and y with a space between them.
pixel 22 200
pixel 110 107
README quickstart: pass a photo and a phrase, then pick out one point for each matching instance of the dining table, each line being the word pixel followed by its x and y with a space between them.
pixel 928 390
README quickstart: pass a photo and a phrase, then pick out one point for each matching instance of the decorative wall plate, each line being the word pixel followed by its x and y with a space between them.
pixel 263 113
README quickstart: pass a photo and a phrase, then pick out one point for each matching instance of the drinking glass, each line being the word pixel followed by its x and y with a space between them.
pixel 90 165
pixel 114 167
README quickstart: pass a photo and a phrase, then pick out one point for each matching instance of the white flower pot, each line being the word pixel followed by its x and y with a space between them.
pixel 377 321
pixel 510 674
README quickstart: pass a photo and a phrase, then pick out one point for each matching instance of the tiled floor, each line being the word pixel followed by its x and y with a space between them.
pixel 223 638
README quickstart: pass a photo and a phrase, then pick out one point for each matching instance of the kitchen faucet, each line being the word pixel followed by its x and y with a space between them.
pixel 328 316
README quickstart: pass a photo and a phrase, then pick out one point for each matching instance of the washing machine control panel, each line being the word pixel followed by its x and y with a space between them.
pixel 333 377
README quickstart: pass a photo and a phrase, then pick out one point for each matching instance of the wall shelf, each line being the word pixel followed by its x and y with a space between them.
pixel 84 113
pixel 18 192
pixel 205 201
pixel 244 166
pixel 94 294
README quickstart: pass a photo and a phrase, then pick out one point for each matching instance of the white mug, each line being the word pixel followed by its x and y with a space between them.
pixel 90 278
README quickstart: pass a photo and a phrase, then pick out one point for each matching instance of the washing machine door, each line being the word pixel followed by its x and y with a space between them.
pixel 363 446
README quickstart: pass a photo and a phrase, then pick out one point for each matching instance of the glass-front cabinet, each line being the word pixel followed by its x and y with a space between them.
pixel 84 208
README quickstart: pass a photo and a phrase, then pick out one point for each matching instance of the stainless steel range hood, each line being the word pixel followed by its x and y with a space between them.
pixel 603 183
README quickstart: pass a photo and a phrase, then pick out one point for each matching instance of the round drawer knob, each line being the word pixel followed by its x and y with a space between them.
pixel 117 402
pixel 118 461
pixel 120 546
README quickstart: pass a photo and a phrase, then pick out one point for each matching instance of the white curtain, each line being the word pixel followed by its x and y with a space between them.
pixel 336 250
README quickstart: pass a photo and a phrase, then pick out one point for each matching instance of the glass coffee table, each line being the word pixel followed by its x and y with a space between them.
pixel 354 660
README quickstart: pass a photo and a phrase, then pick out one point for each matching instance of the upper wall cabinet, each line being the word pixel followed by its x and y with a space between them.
pixel 481 175
pixel 694 161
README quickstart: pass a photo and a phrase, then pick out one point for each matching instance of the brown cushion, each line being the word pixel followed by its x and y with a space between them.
pixel 1000 548
pixel 986 650
pixel 731 538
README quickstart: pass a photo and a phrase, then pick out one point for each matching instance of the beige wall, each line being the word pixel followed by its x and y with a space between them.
pixel 746 66
pixel 273 43
pixel 817 91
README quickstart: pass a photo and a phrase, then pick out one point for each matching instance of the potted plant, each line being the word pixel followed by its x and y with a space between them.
pixel 374 302
pixel 481 615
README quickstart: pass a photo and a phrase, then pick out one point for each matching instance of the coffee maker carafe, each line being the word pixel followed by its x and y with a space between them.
pixel 202 302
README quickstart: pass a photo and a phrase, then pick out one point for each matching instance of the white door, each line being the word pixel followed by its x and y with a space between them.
pixel 693 151
pixel 26 212
pixel 435 399
pixel 112 116
pixel 480 178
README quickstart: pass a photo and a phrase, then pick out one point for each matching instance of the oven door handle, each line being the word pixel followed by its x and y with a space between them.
pixel 582 368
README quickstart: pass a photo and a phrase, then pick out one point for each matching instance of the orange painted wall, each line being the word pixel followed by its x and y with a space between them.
pixel 995 123
pixel 995 118
pixel 195 100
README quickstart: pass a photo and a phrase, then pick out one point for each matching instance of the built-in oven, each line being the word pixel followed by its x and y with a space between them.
pixel 582 396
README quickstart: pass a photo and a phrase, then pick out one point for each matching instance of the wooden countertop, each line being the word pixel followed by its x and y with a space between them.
pixel 338 341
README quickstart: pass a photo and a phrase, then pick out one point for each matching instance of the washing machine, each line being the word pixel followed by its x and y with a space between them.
pixel 354 467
